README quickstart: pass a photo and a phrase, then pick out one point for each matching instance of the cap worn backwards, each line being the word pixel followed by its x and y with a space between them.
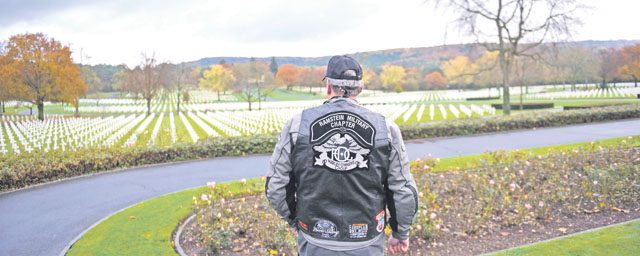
pixel 343 68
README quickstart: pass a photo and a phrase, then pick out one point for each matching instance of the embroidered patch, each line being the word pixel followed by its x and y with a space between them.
pixel 380 221
pixel 327 125
pixel 341 153
pixel 326 229
pixel 303 225
pixel 342 141
pixel 358 230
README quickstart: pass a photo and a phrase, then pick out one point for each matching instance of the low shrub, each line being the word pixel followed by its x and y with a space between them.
pixel 519 121
pixel 483 98
pixel 526 105
pixel 17 171
pixel 509 189
pixel 588 106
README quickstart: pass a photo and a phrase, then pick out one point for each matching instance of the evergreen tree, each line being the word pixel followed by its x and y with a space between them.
pixel 273 66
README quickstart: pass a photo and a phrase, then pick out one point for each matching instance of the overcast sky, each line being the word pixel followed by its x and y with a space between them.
pixel 118 31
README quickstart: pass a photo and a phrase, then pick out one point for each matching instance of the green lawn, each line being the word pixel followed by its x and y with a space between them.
pixel 142 229
pixel 285 95
pixel 145 136
pixel 621 239
pixel 164 135
pixel 146 228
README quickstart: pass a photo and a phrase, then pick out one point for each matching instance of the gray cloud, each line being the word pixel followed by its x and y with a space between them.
pixel 14 11
pixel 294 21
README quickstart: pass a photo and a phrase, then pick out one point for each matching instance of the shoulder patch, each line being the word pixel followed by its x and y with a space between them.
pixel 342 141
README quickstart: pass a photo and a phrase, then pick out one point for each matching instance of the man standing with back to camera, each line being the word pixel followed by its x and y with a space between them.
pixel 337 168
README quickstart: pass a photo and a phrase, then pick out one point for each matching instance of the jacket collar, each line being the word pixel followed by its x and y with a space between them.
pixel 340 98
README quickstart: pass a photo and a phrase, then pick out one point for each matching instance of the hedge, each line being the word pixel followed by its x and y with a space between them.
pixel 483 98
pixel 521 121
pixel 589 106
pixel 17 171
pixel 526 105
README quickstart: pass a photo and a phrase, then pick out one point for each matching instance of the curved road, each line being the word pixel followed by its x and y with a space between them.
pixel 42 220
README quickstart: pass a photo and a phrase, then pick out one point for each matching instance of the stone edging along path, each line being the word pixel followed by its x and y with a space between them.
pixel 178 232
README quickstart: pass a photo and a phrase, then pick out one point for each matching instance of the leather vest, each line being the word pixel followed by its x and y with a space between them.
pixel 340 165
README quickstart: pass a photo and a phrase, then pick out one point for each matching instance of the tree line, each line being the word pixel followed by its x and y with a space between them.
pixel 37 69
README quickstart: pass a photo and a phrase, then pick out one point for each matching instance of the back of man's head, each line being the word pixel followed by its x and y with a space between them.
pixel 344 74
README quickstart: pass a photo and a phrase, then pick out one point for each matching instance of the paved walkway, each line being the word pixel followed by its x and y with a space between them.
pixel 42 220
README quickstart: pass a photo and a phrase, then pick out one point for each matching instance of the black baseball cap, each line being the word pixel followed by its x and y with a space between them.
pixel 340 64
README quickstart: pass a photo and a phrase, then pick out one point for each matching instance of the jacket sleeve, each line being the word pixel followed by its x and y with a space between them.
pixel 402 195
pixel 280 186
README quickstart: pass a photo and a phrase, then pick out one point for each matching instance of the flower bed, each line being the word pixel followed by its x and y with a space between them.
pixel 508 192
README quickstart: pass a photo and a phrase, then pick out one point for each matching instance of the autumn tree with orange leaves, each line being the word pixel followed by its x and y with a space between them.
pixel 6 84
pixel 631 60
pixel 435 80
pixel 41 69
pixel 312 77
pixel 288 75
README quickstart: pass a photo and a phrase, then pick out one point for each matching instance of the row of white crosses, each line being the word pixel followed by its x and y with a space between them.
pixel 119 108
pixel 141 129
pixel 202 101
pixel 56 132
pixel 122 126
pixel 9 128
pixel 190 130
pixel 3 144
pixel 156 130
pixel 593 93
pixel 202 96
pixel 406 111
pixel 62 133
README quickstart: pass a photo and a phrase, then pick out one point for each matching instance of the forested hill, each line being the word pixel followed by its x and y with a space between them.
pixel 423 57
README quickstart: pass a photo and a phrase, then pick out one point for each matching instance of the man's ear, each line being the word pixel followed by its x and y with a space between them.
pixel 328 88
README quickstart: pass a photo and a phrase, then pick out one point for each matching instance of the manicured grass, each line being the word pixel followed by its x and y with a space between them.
pixel 437 114
pixel 164 135
pixel 613 240
pixel 17 110
pixel 284 95
pixel 146 228
pixel 127 135
pixel 144 137
pixel 142 229
pixel 199 131
pixel 181 130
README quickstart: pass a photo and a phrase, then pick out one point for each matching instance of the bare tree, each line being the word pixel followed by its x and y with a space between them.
pixel 513 27
pixel 577 64
pixel 145 80
pixel 610 62
pixel 179 78
pixel 253 81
